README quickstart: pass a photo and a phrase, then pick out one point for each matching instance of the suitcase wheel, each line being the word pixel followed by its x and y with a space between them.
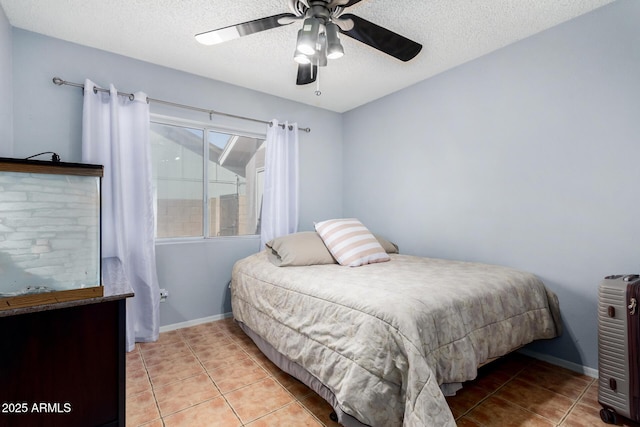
pixel 608 416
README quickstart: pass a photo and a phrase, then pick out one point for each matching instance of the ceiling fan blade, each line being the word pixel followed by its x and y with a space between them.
pixel 306 74
pixel 239 30
pixel 380 38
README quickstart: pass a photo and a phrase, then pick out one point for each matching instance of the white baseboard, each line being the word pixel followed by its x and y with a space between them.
pixel 593 373
pixel 194 322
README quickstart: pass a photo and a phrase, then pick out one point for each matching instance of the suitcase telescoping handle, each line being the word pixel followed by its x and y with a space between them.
pixel 629 278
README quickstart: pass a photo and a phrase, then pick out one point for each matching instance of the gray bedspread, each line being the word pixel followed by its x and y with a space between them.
pixel 383 337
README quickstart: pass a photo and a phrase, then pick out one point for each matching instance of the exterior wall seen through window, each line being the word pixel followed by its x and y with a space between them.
pixel 184 158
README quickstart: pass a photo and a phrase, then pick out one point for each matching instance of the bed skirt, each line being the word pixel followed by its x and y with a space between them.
pixel 298 372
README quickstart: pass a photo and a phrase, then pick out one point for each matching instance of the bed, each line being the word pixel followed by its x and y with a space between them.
pixel 383 343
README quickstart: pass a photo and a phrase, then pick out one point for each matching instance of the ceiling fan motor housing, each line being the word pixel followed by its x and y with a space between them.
pixel 319 11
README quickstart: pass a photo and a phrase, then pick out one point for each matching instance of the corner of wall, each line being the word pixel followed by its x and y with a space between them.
pixel 6 86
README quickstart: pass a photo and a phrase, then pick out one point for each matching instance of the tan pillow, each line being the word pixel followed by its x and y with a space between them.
pixel 303 248
pixel 389 247
pixel 350 242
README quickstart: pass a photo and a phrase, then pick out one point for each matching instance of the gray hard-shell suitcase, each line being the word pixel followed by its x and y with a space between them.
pixel 618 348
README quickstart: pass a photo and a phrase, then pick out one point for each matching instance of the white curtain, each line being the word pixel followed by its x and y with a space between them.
pixel 280 199
pixel 115 133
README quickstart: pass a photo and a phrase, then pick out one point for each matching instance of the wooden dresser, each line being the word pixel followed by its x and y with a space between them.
pixel 63 364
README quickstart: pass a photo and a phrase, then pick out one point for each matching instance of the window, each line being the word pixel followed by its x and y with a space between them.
pixel 184 158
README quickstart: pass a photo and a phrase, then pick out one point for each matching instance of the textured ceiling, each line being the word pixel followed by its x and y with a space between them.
pixel 161 32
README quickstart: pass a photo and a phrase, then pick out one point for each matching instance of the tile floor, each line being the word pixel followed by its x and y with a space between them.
pixel 213 375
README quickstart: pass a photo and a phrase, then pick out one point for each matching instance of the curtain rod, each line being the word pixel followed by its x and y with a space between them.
pixel 58 81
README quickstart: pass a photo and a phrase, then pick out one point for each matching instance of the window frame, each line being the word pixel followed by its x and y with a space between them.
pixel 205 127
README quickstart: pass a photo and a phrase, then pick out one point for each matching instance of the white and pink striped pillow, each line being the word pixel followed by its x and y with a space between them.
pixel 350 242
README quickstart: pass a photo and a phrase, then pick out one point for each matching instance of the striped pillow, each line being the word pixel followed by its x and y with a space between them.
pixel 350 242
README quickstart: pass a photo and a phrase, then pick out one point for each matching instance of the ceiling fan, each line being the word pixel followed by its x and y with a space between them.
pixel 318 38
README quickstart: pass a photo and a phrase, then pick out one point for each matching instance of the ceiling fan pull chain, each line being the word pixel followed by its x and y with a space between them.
pixel 318 92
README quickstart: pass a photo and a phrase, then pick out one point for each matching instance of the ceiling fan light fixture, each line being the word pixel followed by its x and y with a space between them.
pixel 334 47
pixel 301 58
pixel 308 36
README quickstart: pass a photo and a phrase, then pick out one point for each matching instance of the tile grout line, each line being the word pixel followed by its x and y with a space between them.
pixel 492 393
pixel 185 339
pixel 576 401
pixel 242 424
pixel 153 390
pixel 270 375
pixel 192 352
pixel 556 424
pixel 236 341
pixel 153 387
pixel 249 356
pixel 542 416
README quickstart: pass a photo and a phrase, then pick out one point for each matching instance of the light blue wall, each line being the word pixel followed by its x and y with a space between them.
pixel 49 118
pixel 525 157
pixel 6 87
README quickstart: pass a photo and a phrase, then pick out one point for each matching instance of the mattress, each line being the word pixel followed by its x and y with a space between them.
pixel 383 338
